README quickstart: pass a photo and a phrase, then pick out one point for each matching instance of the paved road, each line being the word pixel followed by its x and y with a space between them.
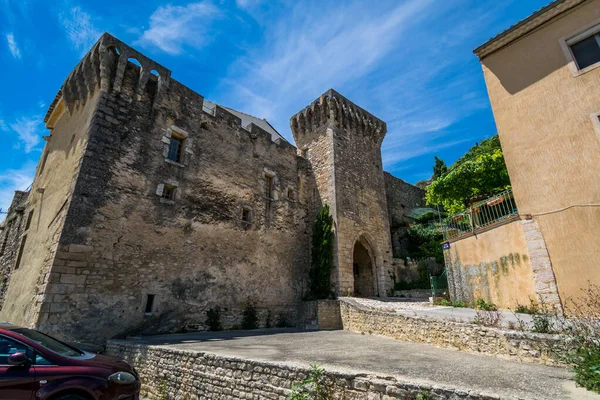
pixel 352 352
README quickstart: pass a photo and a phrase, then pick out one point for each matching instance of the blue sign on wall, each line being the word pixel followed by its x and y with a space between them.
pixel 445 246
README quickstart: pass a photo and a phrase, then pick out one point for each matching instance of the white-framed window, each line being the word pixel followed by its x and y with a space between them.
pixel 582 48
pixel 585 51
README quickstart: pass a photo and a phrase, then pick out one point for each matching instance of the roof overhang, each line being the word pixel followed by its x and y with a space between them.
pixel 529 24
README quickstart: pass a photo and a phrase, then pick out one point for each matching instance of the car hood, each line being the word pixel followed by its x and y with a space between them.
pixel 110 362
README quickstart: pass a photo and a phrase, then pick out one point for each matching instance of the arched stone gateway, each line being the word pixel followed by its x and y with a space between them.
pixel 364 266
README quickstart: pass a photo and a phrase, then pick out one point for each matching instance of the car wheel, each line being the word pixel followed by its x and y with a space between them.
pixel 71 396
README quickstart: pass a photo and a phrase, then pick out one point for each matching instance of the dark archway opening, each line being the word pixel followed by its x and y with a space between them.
pixel 363 271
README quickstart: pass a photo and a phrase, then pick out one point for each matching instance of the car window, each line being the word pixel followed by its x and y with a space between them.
pixel 40 360
pixel 49 342
pixel 8 347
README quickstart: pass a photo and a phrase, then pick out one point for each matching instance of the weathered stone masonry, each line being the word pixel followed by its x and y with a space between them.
pixel 169 373
pixel 129 240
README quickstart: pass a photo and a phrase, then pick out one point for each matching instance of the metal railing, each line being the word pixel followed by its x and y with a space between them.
pixel 439 284
pixel 480 215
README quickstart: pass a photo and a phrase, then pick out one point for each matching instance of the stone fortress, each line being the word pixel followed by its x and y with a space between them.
pixel 151 205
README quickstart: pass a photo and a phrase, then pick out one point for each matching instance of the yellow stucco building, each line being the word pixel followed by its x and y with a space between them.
pixel 543 79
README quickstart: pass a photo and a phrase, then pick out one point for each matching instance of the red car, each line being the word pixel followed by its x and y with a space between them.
pixel 35 366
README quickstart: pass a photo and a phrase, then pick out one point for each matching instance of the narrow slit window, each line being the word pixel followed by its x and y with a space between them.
pixel 175 148
pixel 44 159
pixel 29 218
pixel 246 217
pixel 268 187
pixel 20 255
pixel 290 194
pixel 149 304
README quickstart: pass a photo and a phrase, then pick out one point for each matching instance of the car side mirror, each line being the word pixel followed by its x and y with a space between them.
pixel 18 360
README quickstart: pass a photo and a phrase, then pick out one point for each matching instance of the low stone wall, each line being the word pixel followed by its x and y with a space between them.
pixel 325 313
pixel 522 346
pixel 168 373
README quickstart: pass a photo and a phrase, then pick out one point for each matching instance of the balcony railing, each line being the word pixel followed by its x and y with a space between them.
pixel 480 215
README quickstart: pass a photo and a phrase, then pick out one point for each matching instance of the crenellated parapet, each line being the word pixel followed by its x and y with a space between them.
pixel 103 68
pixel 333 109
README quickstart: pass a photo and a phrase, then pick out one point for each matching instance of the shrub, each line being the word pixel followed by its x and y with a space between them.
pixel 213 319
pixel 319 278
pixel 314 387
pixel 442 302
pixel 583 326
pixel 250 316
pixel 459 304
pixel 532 308
pixel 481 304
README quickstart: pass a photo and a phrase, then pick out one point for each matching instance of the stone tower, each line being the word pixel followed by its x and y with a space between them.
pixel 343 145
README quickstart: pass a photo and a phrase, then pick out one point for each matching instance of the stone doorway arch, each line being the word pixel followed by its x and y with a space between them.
pixel 364 267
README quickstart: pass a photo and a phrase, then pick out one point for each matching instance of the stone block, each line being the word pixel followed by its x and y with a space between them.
pixel 80 248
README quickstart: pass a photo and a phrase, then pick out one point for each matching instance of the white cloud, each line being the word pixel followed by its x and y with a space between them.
pixel 14 179
pixel 172 28
pixel 79 28
pixel 13 46
pixel 28 129
pixel 408 62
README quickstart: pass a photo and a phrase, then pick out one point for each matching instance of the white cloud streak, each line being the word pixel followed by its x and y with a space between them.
pixel 28 129
pixel 173 28
pixel 79 28
pixel 397 59
pixel 13 46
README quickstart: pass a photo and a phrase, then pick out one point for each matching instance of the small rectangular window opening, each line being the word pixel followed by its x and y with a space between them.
pixel 175 148
pixel 290 194
pixel 29 218
pixel 149 304
pixel 168 192
pixel 586 52
pixel 44 159
pixel 20 255
pixel 246 220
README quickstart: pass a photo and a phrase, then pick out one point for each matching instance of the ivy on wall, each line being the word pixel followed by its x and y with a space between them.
pixel 319 279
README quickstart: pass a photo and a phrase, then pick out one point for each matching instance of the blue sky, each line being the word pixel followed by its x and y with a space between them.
pixel 408 62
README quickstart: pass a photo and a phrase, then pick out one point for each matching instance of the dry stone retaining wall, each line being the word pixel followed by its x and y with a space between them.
pixel 168 373
pixel 522 346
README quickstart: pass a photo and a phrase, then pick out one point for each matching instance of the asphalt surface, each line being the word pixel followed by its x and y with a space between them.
pixel 345 351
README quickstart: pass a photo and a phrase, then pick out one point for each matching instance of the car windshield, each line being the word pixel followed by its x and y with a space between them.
pixel 49 343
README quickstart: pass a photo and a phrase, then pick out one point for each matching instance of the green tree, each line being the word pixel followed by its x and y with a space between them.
pixel 480 172
pixel 439 168
pixel 319 280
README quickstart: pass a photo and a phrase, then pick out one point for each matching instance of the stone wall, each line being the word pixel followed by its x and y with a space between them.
pixel 321 314
pixel 522 346
pixel 169 374
pixel 349 178
pixel 10 239
pixel 123 243
pixel 401 198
